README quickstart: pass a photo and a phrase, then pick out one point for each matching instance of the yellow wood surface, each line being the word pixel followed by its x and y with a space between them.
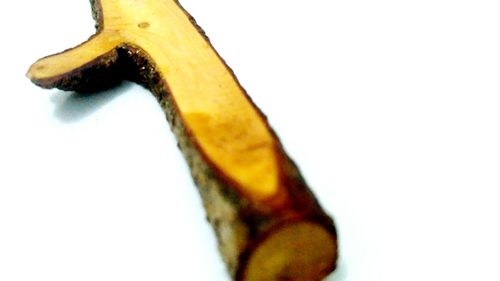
pixel 224 123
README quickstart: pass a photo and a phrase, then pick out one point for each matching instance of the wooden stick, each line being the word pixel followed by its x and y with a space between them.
pixel 268 224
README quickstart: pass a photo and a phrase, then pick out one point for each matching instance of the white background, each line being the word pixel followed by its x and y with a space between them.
pixel 390 108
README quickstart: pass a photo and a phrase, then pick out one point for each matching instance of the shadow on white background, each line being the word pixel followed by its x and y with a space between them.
pixel 73 107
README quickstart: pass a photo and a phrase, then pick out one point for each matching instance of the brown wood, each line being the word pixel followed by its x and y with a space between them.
pixel 268 224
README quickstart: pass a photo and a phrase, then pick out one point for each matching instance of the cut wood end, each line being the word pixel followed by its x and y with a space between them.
pixel 98 51
pixel 44 68
pixel 302 251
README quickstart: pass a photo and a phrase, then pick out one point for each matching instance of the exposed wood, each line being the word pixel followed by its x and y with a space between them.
pixel 268 223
